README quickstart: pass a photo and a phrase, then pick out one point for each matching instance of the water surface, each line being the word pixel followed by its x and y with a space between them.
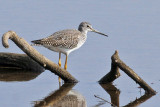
pixel 133 29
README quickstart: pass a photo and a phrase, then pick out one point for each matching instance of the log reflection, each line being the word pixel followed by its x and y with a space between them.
pixel 139 101
pixel 115 93
pixel 14 74
pixel 63 97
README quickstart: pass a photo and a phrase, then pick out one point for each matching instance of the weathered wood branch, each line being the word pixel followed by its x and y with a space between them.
pixel 35 55
pixel 119 63
pixel 112 75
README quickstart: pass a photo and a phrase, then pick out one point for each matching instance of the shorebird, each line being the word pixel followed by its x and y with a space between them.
pixel 66 41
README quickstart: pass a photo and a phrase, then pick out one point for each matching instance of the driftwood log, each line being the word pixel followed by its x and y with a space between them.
pixel 14 74
pixel 19 61
pixel 114 74
pixel 18 67
pixel 36 56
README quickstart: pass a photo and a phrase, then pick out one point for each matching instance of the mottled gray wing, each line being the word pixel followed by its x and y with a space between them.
pixel 66 39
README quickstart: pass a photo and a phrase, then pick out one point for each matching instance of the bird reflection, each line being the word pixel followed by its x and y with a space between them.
pixel 63 97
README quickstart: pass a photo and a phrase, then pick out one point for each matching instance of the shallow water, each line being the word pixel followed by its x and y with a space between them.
pixel 133 29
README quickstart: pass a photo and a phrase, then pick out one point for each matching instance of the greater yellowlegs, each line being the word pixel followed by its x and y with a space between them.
pixel 66 41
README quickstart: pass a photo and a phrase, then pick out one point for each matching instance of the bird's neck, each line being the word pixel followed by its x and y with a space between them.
pixel 83 31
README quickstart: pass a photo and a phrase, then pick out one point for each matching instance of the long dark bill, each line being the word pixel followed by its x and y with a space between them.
pixel 93 30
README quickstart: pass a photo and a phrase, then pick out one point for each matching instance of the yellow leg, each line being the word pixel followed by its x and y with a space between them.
pixel 59 63
pixel 65 66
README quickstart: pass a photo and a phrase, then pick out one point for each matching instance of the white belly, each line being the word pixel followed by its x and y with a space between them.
pixel 64 50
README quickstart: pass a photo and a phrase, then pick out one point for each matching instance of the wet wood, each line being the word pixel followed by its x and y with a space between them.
pixel 14 74
pixel 112 75
pixel 36 56
pixel 119 63
pixel 19 61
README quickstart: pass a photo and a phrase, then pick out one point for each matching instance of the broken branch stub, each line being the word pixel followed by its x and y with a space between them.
pixel 112 75
pixel 132 74
pixel 35 55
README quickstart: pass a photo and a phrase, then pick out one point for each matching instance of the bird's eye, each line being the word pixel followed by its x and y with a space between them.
pixel 87 25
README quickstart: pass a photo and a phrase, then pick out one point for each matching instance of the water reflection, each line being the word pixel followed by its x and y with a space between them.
pixel 14 74
pixel 113 92
pixel 63 97
pixel 139 101
pixel 114 95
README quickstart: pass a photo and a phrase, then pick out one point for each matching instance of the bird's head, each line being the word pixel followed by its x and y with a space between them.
pixel 85 27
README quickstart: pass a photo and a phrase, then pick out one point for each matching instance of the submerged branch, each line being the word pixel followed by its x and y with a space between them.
pixel 35 55
pixel 104 100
